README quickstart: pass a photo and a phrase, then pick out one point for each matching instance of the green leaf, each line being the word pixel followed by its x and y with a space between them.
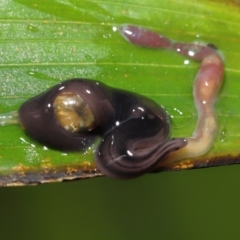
pixel 45 42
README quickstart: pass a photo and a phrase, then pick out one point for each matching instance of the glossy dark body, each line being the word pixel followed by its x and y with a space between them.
pixel 134 129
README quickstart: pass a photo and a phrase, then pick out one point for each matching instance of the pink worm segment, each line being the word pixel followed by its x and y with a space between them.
pixel 205 89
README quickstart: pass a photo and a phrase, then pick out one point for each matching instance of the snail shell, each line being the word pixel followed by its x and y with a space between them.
pixel 70 115
pixel 73 113
pixel 55 117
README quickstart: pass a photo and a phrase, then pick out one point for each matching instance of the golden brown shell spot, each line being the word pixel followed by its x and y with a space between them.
pixel 73 113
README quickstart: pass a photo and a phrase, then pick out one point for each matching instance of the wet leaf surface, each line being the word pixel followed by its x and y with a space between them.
pixel 43 43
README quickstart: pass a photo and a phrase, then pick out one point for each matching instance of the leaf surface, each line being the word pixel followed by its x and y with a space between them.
pixel 45 42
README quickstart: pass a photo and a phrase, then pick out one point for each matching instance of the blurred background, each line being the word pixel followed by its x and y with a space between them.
pixel 194 204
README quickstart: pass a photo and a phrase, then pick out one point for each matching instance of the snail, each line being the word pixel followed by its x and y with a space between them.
pixel 134 130
pixel 70 115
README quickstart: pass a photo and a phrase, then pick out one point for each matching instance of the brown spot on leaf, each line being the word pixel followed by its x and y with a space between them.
pixel 24 175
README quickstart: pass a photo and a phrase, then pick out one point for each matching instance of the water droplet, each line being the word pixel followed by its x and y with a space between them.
pixel 23 141
pixel 223 134
pixel 9 118
pixel 31 154
pixel 191 53
pixel 180 116
pixel 32 28
pixel 114 29
pixel 40 75
pixel 88 57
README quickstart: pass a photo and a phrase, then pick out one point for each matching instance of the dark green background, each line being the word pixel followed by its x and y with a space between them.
pixel 195 204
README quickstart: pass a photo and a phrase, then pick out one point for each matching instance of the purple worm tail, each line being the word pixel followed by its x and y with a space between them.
pixel 205 88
